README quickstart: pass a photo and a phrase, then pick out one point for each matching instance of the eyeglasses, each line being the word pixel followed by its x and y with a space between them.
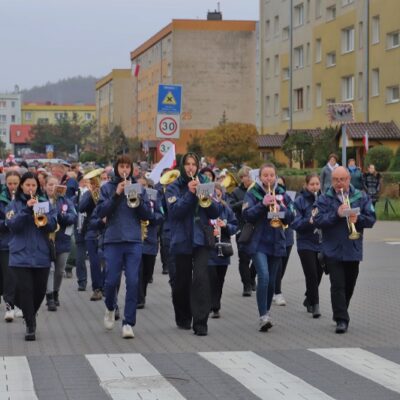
pixel 340 179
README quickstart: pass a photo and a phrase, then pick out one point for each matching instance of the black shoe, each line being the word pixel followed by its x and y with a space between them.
pixel 184 325
pixel 253 286
pixel 215 314
pixel 51 305
pixel 316 313
pixel 165 271
pixel 56 300
pixel 30 334
pixel 81 289
pixel 307 305
pixel 246 291
pixel 68 274
pixel 200 331
pixel 139 306
pixel 117 315
pixel 341 326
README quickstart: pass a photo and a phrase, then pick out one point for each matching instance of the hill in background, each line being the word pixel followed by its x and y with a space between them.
pixel 67 91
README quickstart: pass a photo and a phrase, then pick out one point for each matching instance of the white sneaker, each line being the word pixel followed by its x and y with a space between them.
pixel 9 315
pixel 109 319
pixel 18 312
pixel 265 323
pixel 127 332
pixel 279 300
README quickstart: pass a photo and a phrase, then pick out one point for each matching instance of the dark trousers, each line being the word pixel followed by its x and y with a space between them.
pixel 281 270
pixel 31 288
pixel 217 278
pixel 80 259
pixel 313 274
pixel 8 281
pixel 164 251
pixel 247 271
pixel 95 267
pixel 343 276
pixel 191 295
pixel 145 274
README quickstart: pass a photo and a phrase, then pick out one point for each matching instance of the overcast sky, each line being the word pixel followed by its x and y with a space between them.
pixel 47 40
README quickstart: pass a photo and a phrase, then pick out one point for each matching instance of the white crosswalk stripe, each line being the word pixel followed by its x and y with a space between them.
pixel 263 378
pixel 130 377
pixel 15 379
pixel 367 364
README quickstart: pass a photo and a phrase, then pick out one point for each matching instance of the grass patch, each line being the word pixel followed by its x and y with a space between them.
pixel 390 215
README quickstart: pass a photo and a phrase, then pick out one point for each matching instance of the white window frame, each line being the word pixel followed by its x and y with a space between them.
pixel 348 40
pixel 330 59
pixel 318 50
pixel 28 116
pixel 276 65
pixel 267 67
pixel 267 29
pixel 360 86
pixel 375 84
pixel 298 15
pixel 298 53
pixel 285 114
pixel 285 74
pixel 296 99
pixel 348 88
pixel 331 13
pixel 285 33
pixel 276 104
pixel 318 8
pixel 360 34
pixel 393 94
pixel 267 106
pixel 375 29
pixel 390 40
pixel 346 2
pixel 276 25
pixel 318 95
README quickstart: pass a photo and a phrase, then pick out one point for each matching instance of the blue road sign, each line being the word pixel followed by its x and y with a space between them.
pixel 169 99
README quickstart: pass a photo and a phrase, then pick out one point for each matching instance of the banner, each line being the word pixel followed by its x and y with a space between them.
pixel 168 161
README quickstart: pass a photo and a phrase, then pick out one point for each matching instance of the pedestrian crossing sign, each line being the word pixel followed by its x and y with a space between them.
pixel 169 99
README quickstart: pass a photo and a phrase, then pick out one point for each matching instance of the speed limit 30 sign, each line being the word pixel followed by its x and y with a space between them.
pixel 168 126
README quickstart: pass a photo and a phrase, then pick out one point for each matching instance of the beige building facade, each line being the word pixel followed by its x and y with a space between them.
pixel 214 61
pixel 114 98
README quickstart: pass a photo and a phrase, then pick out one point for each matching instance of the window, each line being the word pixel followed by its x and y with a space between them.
pixel 348 39
pixel 12 118
pixel 276 103
pixel 285 114
pixel 298 97
pixel 318 9
pixel 3 118
pixel 392 94
pixel 393 40
pixel 298 57
pixel 375 82
pixel 267 67
pixel 308 11
pixel 331 59
pixel 299 15
pixel 308 54
pixel 285 33
pixel 43 121
pixel 88 116
pixel 276 65
pixel 28 116
pixel 285 74
pixel 348 88
pixel 276 25
pixel 13 104
pixel 267 106
pixel 308 103
pixel 360 85
pixel 375 30
pixel 60 115
pixel 318 50
pixel 347 2
pixel 3 104
pixel 331 13
pixel 267 29
pixel 318 95
pixel 360 35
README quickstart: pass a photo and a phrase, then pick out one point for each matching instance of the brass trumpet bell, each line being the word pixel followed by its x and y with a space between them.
pixel 204 201
pixel 170 176
pixel 276 223
pixel 94 173
pixel 230 182
pixel 40 220
pixel 132 199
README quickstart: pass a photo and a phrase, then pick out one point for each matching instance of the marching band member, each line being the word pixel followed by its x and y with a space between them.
pixel 342 242
pixel 66 218
pixel 268 243
pixel 190 244
pixel 122 242
pixel 224 227
pixel 29 248
pixel 7 283
pixel 309 241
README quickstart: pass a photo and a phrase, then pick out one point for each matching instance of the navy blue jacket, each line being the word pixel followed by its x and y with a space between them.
pixel 87 205
pixel 335 242
pixel 183 209
pixel 266 239
pixel 123 223
pixel 307 237
pixel 228 215
pixel 5 200
pixel 66 216
pixel 29 245
pixel 150 243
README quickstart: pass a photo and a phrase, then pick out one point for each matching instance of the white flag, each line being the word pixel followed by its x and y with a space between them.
pixel 168 161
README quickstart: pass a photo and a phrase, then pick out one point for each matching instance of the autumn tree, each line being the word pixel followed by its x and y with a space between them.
pixel 298 147
pixel 231 143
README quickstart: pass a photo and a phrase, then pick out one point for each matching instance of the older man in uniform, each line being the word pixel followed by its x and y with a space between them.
pixel 342 213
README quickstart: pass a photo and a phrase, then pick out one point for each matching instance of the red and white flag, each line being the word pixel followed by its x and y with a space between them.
pixel 135 70
pixel 365 141
pixel 168 161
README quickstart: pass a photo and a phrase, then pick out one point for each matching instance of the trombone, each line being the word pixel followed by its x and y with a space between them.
pixel 354 235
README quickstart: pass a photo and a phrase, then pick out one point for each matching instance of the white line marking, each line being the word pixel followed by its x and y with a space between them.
pixel 367 364
pixel 393 243
pixel 263 378
pixel 16 381
pixel 131 377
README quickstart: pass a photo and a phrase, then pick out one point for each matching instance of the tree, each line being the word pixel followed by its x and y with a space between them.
pixel 194 145
pixel 325 144
pixel 299 147
pixel 380 156
pixel 232 143
pixel 395 163
pixel 114 144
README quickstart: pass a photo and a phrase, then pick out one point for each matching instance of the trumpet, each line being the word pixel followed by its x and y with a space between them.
pixel 275 221
pixel 354 235
pixel 132 197
pixel 204 198
pixel 94 183
pixel 314 212
pixel 39 218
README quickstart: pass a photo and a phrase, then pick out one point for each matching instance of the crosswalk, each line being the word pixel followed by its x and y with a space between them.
pixel 311 374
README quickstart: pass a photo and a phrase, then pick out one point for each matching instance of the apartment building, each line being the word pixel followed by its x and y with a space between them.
pixel 114 98
pixel 339 51
pixel 10 113
pixel 213 60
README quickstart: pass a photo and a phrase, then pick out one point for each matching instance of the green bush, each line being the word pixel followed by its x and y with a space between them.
pixel 380 156
pixel 395 163
pixel 88 156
